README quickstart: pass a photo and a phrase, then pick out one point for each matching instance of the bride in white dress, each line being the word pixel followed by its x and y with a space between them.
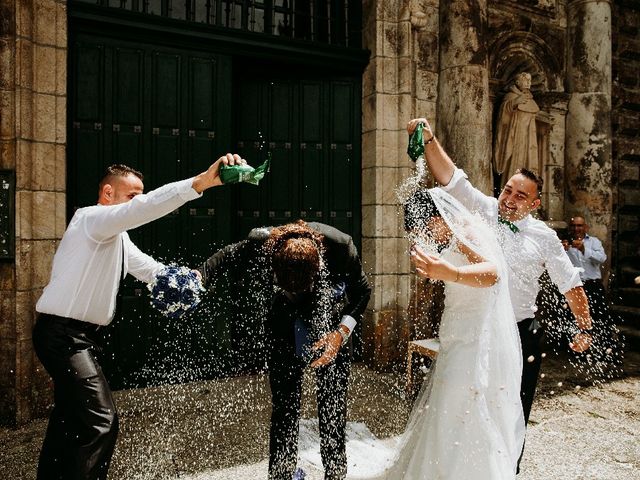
pixel 467 421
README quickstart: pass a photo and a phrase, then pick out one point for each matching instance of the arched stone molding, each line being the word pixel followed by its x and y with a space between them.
pixel 526 52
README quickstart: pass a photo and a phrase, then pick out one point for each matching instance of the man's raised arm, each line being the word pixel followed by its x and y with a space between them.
pixel 453 180
pixel 440 164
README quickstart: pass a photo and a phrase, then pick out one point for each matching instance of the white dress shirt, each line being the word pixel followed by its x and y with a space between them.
pixel 591 260
pixel 95 253
pixel 528 253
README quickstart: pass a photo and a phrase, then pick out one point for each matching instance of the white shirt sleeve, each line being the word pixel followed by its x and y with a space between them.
pixel 561 270
pixel 473 199
pixel 141 265
pixel 349 322
pixel 109 220
pixel 594 251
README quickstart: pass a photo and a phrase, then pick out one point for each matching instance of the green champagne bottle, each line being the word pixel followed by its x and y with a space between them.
pixel 416 143
pixel 244 173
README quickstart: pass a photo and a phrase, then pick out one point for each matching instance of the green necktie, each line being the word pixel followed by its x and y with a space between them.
pixel 509 224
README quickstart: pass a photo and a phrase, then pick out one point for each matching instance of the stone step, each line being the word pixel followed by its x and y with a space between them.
pixel 627 297
pixel 630 315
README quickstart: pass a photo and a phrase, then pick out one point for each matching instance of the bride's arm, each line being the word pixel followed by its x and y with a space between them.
pixel 479 273
pixel 483 272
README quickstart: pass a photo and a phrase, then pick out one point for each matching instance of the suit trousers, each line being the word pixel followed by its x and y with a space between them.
pixel 83 425
pixel 531 335
pixel 285 379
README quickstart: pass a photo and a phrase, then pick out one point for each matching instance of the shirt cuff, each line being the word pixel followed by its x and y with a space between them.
pixel 573 282
pixel 349 322
pixel 186 191
pixel 458 174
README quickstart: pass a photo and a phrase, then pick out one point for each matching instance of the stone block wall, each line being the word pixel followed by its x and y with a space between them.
pixel 399 83
pixel 33 83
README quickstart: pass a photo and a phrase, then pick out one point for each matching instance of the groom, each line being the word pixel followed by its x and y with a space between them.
pixel 530 248
pixel 309 279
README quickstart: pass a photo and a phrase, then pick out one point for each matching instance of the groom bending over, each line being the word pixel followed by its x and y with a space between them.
pixel 311 279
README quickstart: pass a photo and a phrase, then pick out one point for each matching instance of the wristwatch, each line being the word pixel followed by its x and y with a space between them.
pixel 345 336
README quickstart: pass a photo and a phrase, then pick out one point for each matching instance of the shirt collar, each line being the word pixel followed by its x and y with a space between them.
pixel 523 222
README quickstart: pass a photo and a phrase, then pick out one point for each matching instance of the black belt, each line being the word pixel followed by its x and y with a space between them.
pixel 69 322
pixel 593 281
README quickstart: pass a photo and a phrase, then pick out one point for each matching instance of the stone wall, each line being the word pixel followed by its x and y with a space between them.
pixel 450 61
pixel 33 43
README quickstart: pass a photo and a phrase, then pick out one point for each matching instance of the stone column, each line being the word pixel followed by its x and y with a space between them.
pixel 464 113
pixel 553 165
pixel 386 107
pixel 588 141
pixel 33 49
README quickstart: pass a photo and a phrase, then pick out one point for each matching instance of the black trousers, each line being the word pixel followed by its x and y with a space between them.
pixel 83 425
pixel 286 372
pixel 285 380
pixel 531 335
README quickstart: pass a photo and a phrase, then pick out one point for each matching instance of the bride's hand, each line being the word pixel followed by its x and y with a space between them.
pixel 428 266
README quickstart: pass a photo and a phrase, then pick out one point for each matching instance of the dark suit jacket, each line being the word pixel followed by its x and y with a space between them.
pixel 246 267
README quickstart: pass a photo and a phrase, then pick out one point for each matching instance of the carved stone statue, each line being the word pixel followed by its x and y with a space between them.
pixel 516 142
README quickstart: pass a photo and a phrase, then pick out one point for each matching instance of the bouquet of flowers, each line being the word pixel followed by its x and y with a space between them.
pixel 175 291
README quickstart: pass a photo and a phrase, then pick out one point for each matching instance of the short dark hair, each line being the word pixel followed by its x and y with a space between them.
pixel 118 170
pixel 533 177
pixel 296 251
pixel 419 208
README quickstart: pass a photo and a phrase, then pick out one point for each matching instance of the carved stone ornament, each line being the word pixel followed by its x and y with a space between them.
pixel 417 16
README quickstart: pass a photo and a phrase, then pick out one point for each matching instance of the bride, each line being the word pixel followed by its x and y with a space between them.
pixel 467 422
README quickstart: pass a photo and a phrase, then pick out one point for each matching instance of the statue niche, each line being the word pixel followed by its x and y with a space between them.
pixel 516 139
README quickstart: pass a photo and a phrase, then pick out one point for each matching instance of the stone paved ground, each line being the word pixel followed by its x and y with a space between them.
pixel 218 430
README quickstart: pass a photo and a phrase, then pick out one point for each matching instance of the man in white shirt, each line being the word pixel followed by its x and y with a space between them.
pixel 95 253
pixel 587 253
pixel 530 248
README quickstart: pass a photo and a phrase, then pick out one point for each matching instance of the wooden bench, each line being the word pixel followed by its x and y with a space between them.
pixel 427 347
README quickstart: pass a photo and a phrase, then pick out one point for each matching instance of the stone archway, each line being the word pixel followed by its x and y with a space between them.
pixel 525 52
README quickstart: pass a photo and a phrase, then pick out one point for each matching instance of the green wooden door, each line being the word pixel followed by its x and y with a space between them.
pixel 310 123
pixel 170 111
pixel 165 112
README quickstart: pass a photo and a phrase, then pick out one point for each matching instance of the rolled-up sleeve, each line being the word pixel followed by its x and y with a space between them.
pixel 561 270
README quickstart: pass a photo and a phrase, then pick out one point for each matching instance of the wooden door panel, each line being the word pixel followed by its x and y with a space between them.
pixel 157 110
pixel 166 80
pixel 128 87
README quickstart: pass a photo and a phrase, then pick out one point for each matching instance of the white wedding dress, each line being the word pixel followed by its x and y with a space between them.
pixel 467 422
